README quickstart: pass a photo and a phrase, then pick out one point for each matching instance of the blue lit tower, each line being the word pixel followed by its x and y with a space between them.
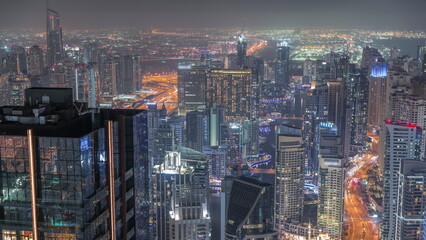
pixel 379 90
pixel 241 51
pixel 55 50
pixel 282 71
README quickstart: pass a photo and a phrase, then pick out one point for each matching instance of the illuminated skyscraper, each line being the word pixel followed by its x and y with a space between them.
pixel 282 71
pixel 401 142
pixel 36 62
pixel 196 130
pixel 367 55
pixel 130 74
pixel 62 155
pixel 55 51
pixel 359 105
pixel 90 53
pixel 411 201
pixel 249 138
pixel 109 79
pixel 217 126
pixel 179 198
pixel 249 209
pixel 289 183
pixel 379 85
pixel 191 88
pixel 331 195
pixel 241 51
pixel 231 89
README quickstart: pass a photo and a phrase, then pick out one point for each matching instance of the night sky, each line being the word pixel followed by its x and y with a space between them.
pixel 284 14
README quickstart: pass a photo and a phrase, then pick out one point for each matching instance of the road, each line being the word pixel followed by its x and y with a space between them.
pixel 360 225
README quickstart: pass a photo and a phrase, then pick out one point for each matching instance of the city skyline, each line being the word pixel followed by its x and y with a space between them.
pixel 213 133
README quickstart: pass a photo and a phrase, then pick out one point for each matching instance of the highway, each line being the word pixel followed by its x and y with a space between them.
pixel 360 225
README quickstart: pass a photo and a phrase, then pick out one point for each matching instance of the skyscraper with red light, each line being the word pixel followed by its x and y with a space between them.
pixel 55 50
pixel 402 142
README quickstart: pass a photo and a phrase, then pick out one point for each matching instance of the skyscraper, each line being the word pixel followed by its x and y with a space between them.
pixel 191 88
pixel 130 74
pixel 90 53
pixel 109 79
pixel 378 96
pixel 289 183
pixel 55 51
pixel 282 71
pixel 402 142
pixel 179 197
pixel 196 130
pixel 411 201
pixel 217 126
pixel 161 136
pixel 241 51
pixel 359 105
pixel 331 195
pixel 249 209
pixel 63 156
pixel 36 62
pixel 367 55
pixel 232 90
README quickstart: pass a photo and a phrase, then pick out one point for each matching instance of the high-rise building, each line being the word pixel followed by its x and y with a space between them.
pixel 232 90
pixel 290 159
pixel 411 201
pixel 282 71
pixel 109 79
pixel 408 109
pixel 90 53
pixel 62 155
pixel 249 209
pixel 196 130
pixel 331 195
pixel 191 88
pixel 359 104
pixel 36 62
pixel 308 71
pixel 55 51
pixel 217 125
pixel 21 59
pixel 241 51
pixel 419 86
pixel 132 171
pixel 378 96
pixel 161 136
pixel 91 86
pixel 130 74
pixel 421 51
pixel 367 55
pixel 179 197
pixel 401 142
pixel 249 138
